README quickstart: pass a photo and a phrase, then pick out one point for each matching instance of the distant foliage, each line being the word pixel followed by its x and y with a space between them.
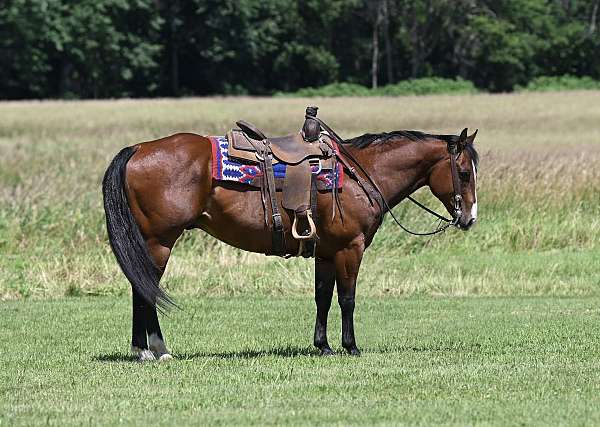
pixel 331 90
pixel 147 48
pixel 426 86
pixel 554 84
pixel 79 49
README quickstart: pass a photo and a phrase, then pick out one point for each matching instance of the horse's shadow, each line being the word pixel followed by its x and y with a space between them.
pixel 295 351
pixel 288 351
pixel 115 357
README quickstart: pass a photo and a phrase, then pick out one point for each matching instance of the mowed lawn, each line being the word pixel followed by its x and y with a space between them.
pixel 428 361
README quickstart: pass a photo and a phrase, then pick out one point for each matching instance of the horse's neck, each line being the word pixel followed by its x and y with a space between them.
pixel 399 167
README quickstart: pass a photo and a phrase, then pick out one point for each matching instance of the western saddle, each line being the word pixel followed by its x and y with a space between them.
pixel 301 152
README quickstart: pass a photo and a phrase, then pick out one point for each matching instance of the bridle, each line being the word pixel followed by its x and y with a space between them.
pixel 456 187
pixel 457 199
pixel 371 188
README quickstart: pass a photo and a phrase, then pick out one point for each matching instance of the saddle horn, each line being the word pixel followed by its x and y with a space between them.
pixel 311 129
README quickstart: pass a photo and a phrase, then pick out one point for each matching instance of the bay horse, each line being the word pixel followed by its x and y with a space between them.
pixel 155 190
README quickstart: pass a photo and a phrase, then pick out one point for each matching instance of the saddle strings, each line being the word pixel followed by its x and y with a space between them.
pixel 386 207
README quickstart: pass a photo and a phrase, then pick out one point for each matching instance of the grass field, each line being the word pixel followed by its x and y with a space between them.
pixel 449 361
pixel 496 326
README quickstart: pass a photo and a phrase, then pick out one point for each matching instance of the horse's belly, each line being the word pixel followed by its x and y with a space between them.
pixel 238 218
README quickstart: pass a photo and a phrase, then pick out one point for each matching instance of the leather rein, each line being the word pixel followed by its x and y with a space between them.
pixel 373 191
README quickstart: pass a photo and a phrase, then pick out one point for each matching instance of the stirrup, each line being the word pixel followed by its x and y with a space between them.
pixel 311 224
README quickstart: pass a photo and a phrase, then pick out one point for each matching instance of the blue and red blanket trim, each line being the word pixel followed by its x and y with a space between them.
pixel 227 169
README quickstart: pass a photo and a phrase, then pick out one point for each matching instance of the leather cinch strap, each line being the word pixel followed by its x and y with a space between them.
pixel 278 237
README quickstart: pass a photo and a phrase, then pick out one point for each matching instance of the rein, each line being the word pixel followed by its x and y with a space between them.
pixel 384 206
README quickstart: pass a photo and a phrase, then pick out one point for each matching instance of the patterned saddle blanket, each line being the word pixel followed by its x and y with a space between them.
pixel 225 168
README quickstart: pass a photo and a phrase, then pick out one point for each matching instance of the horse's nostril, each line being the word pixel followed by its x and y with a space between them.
pixel 467 225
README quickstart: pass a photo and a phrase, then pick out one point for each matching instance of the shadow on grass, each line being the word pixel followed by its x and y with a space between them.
pixel 242 354
pixel 292 351
pixel 288 351
pixel 115 357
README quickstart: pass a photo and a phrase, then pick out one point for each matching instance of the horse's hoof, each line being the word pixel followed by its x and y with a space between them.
pixel 146 356
pixel 353 351
pixel 157 344
pixel 327 351
pixel 165 357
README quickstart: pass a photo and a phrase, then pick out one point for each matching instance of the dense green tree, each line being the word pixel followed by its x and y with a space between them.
pixel 110 48
pixel 115 48
pixel 27 34
pixel 84 48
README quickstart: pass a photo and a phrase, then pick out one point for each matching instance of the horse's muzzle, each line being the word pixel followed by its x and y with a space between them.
pixel 465 226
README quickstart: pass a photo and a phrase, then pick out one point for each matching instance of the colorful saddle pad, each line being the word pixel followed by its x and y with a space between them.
pixel 225 168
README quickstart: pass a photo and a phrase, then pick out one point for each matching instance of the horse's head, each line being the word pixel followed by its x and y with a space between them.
pixel 453 180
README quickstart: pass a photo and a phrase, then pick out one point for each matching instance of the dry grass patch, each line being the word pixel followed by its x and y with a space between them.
pixel 539 180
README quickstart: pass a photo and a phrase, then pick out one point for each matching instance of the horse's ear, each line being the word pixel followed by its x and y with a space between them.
pixel 471 139
pixel 462 139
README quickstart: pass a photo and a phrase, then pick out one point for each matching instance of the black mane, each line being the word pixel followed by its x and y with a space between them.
pixel 413 135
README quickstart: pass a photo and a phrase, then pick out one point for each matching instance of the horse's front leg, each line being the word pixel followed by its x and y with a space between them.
pixel 324 284
pixel 347 264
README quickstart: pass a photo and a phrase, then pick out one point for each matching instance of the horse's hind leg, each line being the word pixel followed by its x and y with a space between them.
pixel 156 343
pixel 139 340
pixel 147 341
pixel 167 185
pixel 324 284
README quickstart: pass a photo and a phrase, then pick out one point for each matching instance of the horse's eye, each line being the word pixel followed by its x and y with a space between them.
pixel 464 176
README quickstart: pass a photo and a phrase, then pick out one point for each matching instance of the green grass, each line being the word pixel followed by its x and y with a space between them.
pixel 426 361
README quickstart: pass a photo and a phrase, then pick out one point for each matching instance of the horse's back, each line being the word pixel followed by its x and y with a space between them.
pixel 181 147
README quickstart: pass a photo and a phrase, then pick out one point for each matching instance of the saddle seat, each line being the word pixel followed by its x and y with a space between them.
pixel 291 149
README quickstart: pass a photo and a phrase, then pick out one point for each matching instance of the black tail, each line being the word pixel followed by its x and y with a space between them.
pixel 125 237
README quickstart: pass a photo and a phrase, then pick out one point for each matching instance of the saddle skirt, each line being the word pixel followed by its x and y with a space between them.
pixel 244 168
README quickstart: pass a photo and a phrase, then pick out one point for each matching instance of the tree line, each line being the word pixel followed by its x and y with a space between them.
pixel 146 48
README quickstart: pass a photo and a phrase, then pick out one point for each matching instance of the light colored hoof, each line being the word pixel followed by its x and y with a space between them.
pixel 157 345
pixel 146 356
pixel 165 357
